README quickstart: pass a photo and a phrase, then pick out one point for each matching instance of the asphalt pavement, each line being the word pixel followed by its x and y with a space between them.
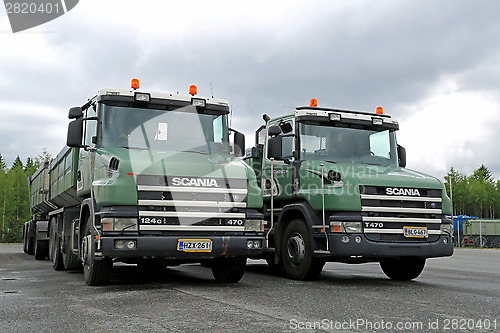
pixel 454 294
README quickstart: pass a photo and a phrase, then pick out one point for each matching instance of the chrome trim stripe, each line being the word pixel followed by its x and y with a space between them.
pixel 400 210
pixel 400 198
pixel 186 203
pixel 191 189
pixel 203 215
pixel 395 231
pixel 144 227
pixel 399 219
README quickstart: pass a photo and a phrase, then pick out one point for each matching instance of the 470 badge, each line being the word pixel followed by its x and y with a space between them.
pixel 194 245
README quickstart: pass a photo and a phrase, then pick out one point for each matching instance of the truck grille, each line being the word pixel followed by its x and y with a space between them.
pixel 387 210
pixel 191 203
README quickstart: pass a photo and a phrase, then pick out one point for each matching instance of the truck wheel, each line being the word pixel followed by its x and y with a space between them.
pixel 403 269
pixel 70 260
pixel 228 270
pixel 55 247
pixel 296 253
pixel 41 248
pixel 481 242
pixel 25 239
pixel 95 272
pixel 30 243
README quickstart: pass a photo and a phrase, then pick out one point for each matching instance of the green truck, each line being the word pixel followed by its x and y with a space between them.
pixel 336 188
pixel 151 179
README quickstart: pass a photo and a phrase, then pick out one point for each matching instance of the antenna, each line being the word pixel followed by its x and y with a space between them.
pixel 211 90
pixel 231 117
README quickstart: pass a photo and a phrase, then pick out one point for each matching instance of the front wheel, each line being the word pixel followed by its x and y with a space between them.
pixel 228 270
pixel 296 253
pixel 95 272
pixel 405 269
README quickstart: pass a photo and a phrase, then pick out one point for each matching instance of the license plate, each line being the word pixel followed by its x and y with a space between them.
pixel 420 232
pixel 194 245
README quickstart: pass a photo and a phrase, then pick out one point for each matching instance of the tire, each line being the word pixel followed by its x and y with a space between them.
pixel 30 242
pixel 41 247
pixel 403 269
pixel 70 260
pixel 55 253
pixel 25 239
pixel 95 272
pixel 296 253
pixel 481 242
pixel 228 270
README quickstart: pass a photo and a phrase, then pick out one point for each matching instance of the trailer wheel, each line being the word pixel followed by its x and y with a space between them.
pixel 55 246
pixel 41 247
pixel 481 242
pixel 70 260
pixel 228 270
pixel 95 272
pixel 296 253
pixel 25 239
pixel 30 242
pixel 403 269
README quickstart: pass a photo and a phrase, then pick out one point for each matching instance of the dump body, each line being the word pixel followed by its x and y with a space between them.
pixel 482 233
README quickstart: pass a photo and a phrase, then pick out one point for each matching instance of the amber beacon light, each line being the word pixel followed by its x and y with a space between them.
pixel 314 103
pixel 380 110
pixel 193 90
pixel 134 84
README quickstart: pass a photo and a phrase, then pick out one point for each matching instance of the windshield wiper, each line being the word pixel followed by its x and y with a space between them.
pixel 194 151
pixel 140 148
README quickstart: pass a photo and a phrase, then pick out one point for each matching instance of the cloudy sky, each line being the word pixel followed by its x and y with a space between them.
pixel 434 65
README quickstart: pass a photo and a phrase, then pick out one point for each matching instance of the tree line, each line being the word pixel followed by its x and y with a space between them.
pixel 474 195
pixel 14 196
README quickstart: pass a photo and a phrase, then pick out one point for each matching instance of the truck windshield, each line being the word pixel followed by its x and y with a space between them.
pixel 347 145
pixel 182 129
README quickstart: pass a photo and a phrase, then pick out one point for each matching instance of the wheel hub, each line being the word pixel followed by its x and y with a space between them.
pixel 296 249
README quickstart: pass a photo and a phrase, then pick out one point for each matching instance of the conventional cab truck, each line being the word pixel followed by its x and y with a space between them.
pixel 147 178
pixel 336 188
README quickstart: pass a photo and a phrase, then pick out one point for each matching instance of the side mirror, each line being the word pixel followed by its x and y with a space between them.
pixel 274 130
pixel 274 147
pixel 286 128
pixel 239 144
pixel 75 131
pixel 401 156
pixel 75 113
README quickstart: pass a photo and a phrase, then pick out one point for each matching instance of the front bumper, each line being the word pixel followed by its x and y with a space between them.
pixel 166 247
pixel 371 250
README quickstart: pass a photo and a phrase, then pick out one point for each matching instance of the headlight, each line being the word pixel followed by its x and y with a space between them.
pixel 346 227
pixel 447 229
pixel 254 225
pixel 119 224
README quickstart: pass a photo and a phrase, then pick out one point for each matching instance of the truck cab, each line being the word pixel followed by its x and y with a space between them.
pixel 152 179
pixel 336 188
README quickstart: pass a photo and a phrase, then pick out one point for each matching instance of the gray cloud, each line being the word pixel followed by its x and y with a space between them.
pixel 348 55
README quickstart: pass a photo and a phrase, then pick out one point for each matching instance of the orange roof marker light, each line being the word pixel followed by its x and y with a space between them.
pixel 193 90
pixel 314 102
pixel 134 84
pixel 380 110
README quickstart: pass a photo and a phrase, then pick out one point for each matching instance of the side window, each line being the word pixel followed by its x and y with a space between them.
pixel 90 125
pixel 287 144
pixel 380 144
